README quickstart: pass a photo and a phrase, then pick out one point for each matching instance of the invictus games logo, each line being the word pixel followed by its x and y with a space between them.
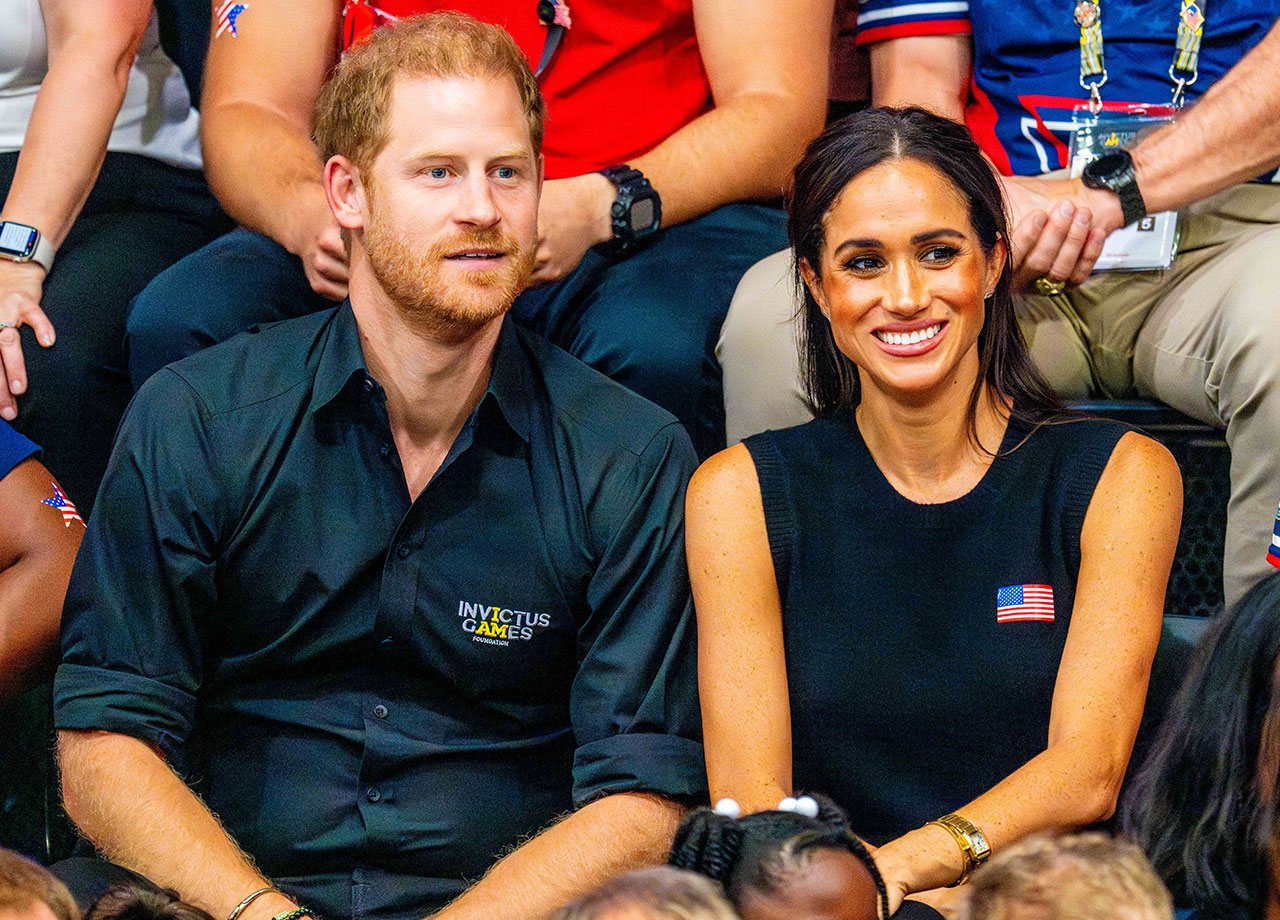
pixel 499 625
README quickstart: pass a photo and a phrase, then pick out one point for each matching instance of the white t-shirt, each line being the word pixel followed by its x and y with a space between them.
pixel 155 120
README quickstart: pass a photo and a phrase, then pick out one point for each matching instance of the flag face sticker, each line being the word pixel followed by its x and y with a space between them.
pixel 228 13
pixel 63 504
pixel 1273 554
pixel 1016 603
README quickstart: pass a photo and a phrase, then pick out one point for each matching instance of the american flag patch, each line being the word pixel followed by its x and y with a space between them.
pixel 1015 603
pixel 63 504
pixel 1273 554
pixel 228 13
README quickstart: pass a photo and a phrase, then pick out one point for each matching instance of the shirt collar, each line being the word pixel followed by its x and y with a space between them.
pixel 342 374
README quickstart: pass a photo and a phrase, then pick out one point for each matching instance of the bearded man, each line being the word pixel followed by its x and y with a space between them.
pixel 375 596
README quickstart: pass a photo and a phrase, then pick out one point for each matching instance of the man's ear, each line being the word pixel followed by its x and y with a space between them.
pixel 345 193
pixel 814 284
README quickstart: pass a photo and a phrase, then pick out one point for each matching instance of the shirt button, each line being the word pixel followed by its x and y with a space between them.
pixel 386 644
pixel 368 385
pixel 385 450
pixel 380 711
pixel 403 551
pixel 373 795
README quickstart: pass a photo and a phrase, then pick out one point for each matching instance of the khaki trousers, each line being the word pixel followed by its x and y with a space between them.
pixel 1202 336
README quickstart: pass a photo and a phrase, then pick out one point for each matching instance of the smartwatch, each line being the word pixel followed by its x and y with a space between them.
pixel 21 243
pixel 1114 172
pixel 636 211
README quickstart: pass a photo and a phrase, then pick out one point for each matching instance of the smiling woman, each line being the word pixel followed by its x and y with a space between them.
pixel 939 601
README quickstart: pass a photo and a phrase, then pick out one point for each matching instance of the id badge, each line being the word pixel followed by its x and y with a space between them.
pixel 1147 244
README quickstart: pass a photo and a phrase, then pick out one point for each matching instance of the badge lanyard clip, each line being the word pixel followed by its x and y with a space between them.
pixel 1183 72
pixel 1185 68
pixel 1088 17
pixel 554 16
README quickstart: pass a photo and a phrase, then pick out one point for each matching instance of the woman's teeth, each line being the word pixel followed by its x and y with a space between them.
pixel 909 338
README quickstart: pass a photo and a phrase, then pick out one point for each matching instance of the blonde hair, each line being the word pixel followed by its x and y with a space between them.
pixel 23 884
pixel 1074 877
pixel 352 109
pixel 663 893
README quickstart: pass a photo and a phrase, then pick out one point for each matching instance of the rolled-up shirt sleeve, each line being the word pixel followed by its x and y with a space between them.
pixel 145 576
pixel 881 20
pixel 634 701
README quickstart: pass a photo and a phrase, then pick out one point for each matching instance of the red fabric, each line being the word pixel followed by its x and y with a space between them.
pixel 627 74
pixel 875 34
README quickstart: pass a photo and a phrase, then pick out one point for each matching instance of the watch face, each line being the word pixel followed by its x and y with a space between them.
pixel 642 215
pixel 17 240
pixel 1108 165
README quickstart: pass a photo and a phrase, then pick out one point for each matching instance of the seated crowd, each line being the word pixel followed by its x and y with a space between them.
pixel 434 569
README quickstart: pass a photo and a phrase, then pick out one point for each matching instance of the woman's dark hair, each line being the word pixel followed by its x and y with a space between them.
pixel 756 853
pixel 1204 804
pixel 848 148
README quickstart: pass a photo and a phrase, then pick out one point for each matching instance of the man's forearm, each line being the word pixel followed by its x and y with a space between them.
pixel 139 814
pixel 740 151
pixel 264 171
pixel 611 835
pixel 1229 136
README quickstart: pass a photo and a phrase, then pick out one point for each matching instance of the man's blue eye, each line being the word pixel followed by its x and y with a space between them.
pixel 505 172
pixel 438 172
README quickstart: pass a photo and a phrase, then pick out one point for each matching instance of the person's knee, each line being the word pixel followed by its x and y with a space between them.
pixel 762 312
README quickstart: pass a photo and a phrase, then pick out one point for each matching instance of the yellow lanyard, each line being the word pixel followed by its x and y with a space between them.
pixel 1186 51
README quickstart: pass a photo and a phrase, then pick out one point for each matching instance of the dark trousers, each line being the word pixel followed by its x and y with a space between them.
pixel 649 320
pixel 140 218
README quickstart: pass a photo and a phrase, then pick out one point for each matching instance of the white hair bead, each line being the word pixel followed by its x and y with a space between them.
pixel 806 806
pixel 787 804
pixel 728 808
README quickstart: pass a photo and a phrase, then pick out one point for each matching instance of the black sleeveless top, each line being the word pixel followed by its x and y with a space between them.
pixel 921 643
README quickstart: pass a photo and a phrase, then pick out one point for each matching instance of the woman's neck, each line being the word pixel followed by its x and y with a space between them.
pixel 926 450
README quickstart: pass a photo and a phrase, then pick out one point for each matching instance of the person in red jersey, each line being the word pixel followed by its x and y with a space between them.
pixel 693 110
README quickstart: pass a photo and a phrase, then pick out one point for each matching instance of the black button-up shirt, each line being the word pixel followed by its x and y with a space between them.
pixel 377 697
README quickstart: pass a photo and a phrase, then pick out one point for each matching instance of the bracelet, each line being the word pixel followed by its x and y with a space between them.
pixel 972 842
pixel 294 914
pixel 239 908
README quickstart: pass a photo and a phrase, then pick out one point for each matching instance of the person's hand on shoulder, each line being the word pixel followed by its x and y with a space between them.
pixel 21 286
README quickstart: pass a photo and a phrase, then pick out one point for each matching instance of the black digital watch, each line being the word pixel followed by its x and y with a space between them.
pixel 636 212
pixel 1114 171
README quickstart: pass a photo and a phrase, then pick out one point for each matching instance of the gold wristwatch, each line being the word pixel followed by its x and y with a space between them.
pixel 972 842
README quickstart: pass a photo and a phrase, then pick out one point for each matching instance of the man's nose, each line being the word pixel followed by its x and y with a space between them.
pixel 475 203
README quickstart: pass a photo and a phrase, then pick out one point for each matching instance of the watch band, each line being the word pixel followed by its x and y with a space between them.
pixel 1132 205
pixel 633 190
pixel 1123 181
pixel 972 842
pixel 42 251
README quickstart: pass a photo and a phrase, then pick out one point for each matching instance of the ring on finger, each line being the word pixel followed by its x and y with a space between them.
pixel 1047 287
pixel 5 324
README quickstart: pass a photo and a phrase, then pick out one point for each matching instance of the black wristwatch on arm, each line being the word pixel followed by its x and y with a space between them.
pixel 636 212
pixel 1114 172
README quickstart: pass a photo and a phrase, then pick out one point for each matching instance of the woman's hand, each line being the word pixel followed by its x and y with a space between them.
pixel 21 285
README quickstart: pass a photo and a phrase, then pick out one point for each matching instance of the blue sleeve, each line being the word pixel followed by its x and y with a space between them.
pixel 14 448
pixel 634 701
pixel 880 20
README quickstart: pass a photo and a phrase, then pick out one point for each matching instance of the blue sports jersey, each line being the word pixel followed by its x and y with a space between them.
pixel 1026 71
pixel 14 448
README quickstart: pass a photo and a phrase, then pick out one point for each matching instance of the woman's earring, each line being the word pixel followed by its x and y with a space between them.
pixel 989 294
